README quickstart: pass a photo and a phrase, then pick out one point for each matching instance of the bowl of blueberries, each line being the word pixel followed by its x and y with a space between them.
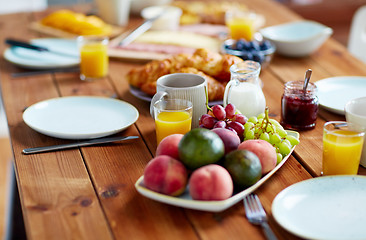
pixel 259 51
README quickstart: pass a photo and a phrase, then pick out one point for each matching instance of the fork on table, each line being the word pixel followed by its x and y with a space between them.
pixel 256 215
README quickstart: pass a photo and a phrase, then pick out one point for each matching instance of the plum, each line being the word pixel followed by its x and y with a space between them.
pixel 231 139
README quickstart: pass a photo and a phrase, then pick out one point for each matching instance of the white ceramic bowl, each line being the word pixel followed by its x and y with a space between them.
pixel 169 20
pixel 297 39
pixel 356 114
pixel 138 5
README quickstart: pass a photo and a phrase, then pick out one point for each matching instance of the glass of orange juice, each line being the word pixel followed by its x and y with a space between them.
pixel 172 116
pixel 241 24
pixel 342 147
pixel 93 57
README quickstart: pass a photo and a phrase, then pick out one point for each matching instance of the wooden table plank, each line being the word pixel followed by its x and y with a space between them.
pixel 89 193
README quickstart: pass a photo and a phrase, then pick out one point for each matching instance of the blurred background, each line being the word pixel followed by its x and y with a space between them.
pixel 336 14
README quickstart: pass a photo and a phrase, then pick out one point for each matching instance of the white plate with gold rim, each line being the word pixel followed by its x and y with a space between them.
pixel 186 201
pixel 332 207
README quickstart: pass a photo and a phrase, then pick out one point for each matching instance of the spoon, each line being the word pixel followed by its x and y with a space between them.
pixel 307 79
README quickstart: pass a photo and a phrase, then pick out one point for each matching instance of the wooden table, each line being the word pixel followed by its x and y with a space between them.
pixel 89 193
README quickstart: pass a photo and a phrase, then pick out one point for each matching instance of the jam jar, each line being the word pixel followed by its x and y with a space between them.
pixel 299 107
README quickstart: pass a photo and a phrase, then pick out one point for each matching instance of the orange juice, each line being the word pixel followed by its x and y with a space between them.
pixel 168 123
pixel 241 27
pixel 341 152
pixel 94 60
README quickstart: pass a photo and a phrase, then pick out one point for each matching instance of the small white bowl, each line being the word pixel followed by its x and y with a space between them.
pixel 138 5
pixel 169 20
pixel 297 39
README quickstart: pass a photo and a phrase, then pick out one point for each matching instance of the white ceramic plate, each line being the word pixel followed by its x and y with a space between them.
pixel 335 92
pixel 80 117
pixel 32 59
pixel 324 208
pixel 186 201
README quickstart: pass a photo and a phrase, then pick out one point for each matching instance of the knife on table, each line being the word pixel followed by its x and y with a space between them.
pixel 76 144
pixel 38 48
pixel 139 30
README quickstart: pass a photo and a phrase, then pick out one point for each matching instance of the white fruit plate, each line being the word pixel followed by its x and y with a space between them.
pixel 186 201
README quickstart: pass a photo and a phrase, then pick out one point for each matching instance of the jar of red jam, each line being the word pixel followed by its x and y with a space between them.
pixel 299 107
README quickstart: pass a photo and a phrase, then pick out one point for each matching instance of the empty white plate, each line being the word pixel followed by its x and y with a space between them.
pixel 80 117
pixel 330 207
pixel 335 92
pixel 33 59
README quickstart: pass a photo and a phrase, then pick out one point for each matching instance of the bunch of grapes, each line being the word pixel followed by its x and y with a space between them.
pixel 261 127
pixel 220 117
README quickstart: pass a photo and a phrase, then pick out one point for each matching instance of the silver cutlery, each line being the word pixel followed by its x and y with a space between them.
pixel 76 144
pixel 139 30
pixel 256 215
pixel 18 43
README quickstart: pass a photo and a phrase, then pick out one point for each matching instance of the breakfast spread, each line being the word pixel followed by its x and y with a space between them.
pixel 211 65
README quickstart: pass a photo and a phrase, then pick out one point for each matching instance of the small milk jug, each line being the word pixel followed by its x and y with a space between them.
pixel 244 89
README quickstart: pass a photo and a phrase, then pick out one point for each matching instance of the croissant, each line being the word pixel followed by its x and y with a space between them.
pixel 214 67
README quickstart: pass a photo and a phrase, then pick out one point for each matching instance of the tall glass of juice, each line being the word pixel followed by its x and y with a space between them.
pixel 93 57
pixel 172 116
pixel 342 147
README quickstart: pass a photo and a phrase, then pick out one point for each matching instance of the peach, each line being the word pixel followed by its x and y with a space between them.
pixel 231 140
pixel 210 182
pixel 169 146
pixel 165 175
pixel 264 151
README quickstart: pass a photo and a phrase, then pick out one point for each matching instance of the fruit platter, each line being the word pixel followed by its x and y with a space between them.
pixel 213 167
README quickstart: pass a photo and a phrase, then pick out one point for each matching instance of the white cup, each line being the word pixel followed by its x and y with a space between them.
pixel 169 18
pixel 116 12
pixel 356 113
pixel 187 86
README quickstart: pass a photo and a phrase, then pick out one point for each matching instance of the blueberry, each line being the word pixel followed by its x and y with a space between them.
pixel 254 45
pixel 240 44
pixel 265 45
pixel 258 57
pixel 247 56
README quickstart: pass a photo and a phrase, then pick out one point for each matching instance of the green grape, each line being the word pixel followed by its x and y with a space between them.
pixel 253 119
pixel 274 122
pixel 285 141
pixel 271 128
pixel 248 125
pixel 256 129
pixel 281 132
pixel 249 134
pixel 275 138
pixel 261 116
pixel 293 140
pixel 279 157
pixel 284 148
pixel 264 136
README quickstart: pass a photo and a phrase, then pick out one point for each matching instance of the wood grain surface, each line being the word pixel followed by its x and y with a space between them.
pixel 89 193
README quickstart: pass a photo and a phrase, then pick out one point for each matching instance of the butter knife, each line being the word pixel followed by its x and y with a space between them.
pixel 139 30
pixel 76 144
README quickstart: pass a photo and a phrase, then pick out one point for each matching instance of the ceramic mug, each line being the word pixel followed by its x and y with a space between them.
pixel 187 86
pixel 355 111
